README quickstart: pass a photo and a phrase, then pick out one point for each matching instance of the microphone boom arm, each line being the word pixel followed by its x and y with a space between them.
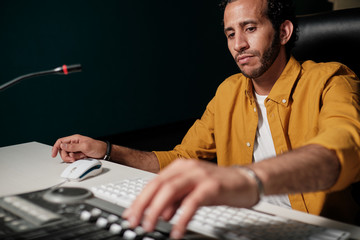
pixel 59 70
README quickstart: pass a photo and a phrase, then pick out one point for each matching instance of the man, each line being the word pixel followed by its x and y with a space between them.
pixel 294 128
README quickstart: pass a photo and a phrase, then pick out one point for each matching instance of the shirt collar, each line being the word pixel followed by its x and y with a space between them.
pixel 249 91
pixel 282 88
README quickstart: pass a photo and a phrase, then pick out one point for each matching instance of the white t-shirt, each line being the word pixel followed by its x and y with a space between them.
pixel 264 148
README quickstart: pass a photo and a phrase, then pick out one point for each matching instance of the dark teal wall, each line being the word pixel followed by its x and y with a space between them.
pixel 145 63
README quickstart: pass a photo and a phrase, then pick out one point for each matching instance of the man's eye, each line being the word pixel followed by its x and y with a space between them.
pixel 231 35
pixel 251 29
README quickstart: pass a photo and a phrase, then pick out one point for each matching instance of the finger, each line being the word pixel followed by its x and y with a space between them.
pixel 170 211
pixel 71 146
pixel 54 151
pixel 77 155
pixel 72 157
pixel 188 209
pixel 179 229
pixel 168 197
pixel 66 157
pixel 135 212
pixel 56 147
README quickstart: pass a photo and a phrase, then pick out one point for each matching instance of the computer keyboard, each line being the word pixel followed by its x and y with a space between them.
pixel 223 222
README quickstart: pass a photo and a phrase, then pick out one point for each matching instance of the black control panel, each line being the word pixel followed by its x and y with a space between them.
pixel 69 213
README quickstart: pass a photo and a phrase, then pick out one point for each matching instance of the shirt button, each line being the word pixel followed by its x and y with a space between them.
pixel 248 144
pixel 255 109
pixel 284 100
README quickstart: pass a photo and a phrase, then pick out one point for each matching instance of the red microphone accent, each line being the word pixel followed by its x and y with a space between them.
pixel 64 67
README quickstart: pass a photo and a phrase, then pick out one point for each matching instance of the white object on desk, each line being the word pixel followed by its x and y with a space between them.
pixel 82 169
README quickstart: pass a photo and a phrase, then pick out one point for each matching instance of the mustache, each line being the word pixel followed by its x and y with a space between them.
pixel 248 52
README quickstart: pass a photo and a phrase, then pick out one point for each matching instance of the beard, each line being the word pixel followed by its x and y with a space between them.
pixel 266 60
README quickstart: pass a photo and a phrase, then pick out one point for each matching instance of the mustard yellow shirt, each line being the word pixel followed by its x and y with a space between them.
pixel 310 103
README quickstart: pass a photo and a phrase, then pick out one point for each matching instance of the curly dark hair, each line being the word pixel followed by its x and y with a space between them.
pixel 277 12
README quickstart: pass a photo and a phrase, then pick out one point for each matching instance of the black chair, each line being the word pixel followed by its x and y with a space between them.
pixel 330 36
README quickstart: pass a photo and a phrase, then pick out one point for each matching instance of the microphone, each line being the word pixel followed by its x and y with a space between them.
pixel 63 70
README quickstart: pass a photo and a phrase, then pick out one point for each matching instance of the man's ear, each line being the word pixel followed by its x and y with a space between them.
pixel 286 30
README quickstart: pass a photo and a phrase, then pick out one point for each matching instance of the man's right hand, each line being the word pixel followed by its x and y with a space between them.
pixel 76 147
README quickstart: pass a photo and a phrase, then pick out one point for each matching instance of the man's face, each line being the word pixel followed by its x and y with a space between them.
pixel 251 37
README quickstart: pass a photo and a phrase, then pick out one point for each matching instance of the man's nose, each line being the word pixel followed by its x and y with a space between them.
pixel 241 43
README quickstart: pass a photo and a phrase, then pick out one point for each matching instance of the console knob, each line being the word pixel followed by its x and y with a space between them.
pixel 85 215
pixel 115 228
pixel 95 213
pixel 102 222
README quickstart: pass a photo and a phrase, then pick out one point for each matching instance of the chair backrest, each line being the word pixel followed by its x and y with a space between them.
pixel 330 36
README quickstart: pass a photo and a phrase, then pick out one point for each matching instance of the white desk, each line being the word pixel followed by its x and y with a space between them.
pixel 29 167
